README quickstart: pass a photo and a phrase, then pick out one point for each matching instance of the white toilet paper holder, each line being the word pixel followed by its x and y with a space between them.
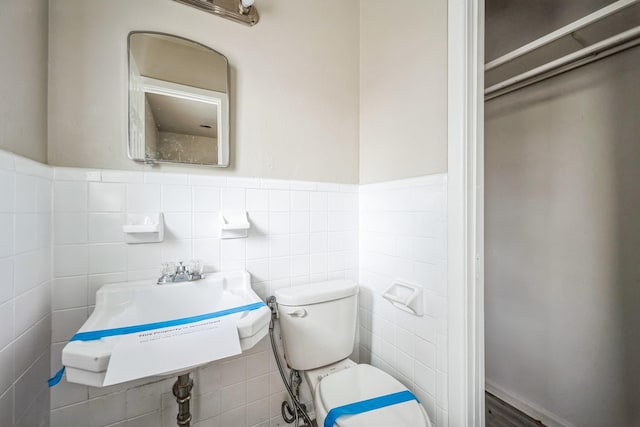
pixel 405 296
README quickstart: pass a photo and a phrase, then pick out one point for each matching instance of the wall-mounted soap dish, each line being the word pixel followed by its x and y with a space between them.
pixel 144 228
pixel 234 225
pixel 406 297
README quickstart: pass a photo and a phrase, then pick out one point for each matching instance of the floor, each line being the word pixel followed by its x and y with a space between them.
pixel 501 414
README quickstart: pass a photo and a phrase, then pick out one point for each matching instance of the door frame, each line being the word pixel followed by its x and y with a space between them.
pixel 465 205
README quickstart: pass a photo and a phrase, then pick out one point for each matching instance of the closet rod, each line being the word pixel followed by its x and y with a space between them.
pixel 561 32
pixel 596 51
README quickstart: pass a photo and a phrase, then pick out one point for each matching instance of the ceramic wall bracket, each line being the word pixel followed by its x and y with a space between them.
pixel 144 228
pixel 405 296
pixel 234 225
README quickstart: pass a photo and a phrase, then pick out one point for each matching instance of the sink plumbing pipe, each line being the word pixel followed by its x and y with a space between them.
pixel 299 408
pixel 182 391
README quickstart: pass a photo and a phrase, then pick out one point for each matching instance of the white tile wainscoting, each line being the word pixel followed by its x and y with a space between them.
pixel 403 235
pixel 62 239
pixel 300 232
pixel 25 291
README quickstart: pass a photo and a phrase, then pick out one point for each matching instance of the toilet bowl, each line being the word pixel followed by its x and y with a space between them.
pixel 318 324
pixel 346 382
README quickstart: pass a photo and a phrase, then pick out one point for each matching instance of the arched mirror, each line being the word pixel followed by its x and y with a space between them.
pixel 178 101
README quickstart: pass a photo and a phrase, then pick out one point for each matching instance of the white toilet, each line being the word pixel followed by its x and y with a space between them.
pixel 318 325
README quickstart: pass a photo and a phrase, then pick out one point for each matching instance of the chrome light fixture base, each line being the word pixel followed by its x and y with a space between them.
pixel 230 9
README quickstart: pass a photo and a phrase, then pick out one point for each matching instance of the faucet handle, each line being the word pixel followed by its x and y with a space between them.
pixel 171 267
pixel 167 273
pixel 167 268
pixel 195 268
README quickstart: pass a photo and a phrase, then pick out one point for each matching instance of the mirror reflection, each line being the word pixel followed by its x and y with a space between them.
pixel 178 101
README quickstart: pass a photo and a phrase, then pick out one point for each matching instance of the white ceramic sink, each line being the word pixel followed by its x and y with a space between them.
pixel 135 303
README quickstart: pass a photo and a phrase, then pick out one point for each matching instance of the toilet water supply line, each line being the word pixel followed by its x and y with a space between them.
pixel 298 407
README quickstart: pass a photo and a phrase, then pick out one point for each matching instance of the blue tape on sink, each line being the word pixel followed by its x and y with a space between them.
pixel 104 333
pixel 56 378
pixel 368 405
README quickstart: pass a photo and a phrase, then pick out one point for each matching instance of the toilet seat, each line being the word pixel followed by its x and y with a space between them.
pixel 363 382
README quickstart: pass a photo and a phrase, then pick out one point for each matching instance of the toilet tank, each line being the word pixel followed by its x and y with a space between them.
pixel 318 322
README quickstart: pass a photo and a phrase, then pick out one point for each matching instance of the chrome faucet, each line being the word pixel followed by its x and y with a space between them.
pixel 181 273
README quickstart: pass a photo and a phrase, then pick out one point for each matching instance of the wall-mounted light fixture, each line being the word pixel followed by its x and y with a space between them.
pixel 242 11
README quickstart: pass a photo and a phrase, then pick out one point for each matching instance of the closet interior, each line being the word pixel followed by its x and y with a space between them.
pixel 562 204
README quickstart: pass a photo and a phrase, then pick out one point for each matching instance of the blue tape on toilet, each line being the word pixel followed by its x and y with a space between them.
pixel 368 405
pixel 104 333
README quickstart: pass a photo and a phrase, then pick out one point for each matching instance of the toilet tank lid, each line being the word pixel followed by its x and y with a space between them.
pixel 317 292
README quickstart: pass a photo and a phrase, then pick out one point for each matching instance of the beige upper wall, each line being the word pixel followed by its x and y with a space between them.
pixel 294 84
pixel 403 89
pixel 23 78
